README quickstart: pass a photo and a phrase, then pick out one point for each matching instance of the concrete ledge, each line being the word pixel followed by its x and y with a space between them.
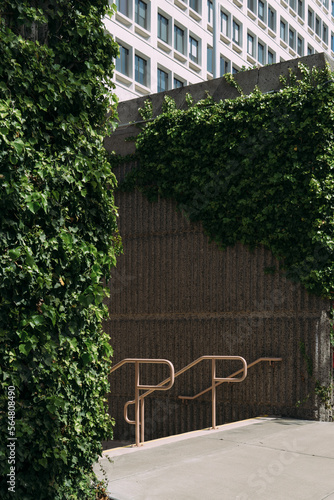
pixel 266 78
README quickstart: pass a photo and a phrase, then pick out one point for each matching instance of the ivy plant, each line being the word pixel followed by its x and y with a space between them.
pixel 58 240
pixel 258 169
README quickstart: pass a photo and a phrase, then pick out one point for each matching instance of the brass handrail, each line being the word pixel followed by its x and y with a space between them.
pixel 139 401
pixel 216 382
pixel 213 386
pixel 259 360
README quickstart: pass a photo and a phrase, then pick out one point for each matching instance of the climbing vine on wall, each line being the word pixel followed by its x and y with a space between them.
pixel 58 240
pixel 258 169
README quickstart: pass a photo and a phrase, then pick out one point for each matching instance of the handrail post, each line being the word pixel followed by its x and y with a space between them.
pixel 142 428
pixel 137 413
pixel 213 398
pixel 139 400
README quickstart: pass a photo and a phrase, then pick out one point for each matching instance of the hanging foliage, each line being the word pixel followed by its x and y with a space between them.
pixel 58 239
pixel 258 169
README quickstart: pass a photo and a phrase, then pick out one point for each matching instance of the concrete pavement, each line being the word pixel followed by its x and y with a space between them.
pixel 264 458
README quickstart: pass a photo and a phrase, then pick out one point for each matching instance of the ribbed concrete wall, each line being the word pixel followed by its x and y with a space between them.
pixel 175 295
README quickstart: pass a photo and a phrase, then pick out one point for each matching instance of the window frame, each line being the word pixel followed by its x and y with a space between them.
pixel 237 40
pixel 301 8
pixel 317 24
pixel 138 18
pixel 140 59
pixel 120 61
pixel 263 48
pixel 161 71
pixel 209 59
pixel 196 8
pixel 223 61
pixel 272 53
pixel 123 7
pixel 292 39
pixel 178 29
pixel 253 42
pixel 161 16
pixel 325 33
pixel 284 25
pixel 310 18
pixel 261 16
pixel 227 23
pixel 300 39
pixel 210 11
pixel 251 5
pixel 271 15
pixel 194 42
pixel 175 79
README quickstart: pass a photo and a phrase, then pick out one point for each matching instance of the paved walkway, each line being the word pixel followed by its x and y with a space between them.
pixel 257 459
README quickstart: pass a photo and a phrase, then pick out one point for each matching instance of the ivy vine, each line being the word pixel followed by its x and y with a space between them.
pixel 58 240
pixel 258 169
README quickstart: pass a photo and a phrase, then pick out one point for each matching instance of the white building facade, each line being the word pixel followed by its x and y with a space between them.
pixel 165 44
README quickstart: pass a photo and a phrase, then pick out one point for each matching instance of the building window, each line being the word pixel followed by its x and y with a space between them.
pixel 141 70
pixel 209 59
pixel 141 13
pixel 250 45
pixel 292 39
pixel 271 57
pixel 310 50
pixel 193 49
pixel 236 33
pixel 272 19
pixel 300 46
pixel 210 11
pixel 178 83
pixel 225 66
pixel 301 8
pixel 318 26
pixel 293 4
pixel 283 30
pixel 261 10
pixel 163 28
pixel 194 4
pixel 234 70
pixel 325 3
pixel 122 62
pixel 224 23
pixel 123 7
pixel 333 8
pixel 310 18
pixel 251 4
pixel 179 39
pixel 325 33
pixel 260 53
pixel 162 80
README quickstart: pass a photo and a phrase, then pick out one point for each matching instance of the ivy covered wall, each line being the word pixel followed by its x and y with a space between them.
pixel 58 239
pixel 258 169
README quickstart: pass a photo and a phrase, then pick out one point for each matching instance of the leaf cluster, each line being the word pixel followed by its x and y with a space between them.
pixel 58 241
pixel 258 169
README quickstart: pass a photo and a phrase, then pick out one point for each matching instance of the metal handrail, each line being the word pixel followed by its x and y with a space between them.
pixel 214 379
pixel 139 401
pixel 259 360
pixel 216 382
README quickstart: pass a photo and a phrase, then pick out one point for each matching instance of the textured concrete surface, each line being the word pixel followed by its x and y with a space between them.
pixel 258 459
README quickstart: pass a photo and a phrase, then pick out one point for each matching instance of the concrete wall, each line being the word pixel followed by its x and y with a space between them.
pixel 175 295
